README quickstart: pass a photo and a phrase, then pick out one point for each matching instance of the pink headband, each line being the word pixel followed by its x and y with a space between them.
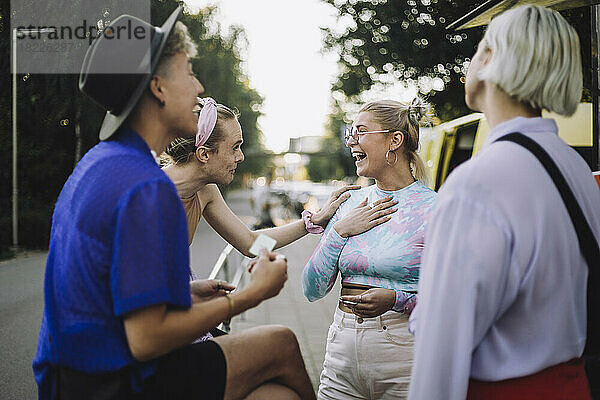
pixel 206 121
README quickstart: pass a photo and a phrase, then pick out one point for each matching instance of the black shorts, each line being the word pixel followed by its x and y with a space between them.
pixel 197 371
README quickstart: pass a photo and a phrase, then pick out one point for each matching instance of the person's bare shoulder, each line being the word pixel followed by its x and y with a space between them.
pixel 209 193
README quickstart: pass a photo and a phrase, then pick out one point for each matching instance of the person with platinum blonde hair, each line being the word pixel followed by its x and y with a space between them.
pixel 502 294
pixel 369 349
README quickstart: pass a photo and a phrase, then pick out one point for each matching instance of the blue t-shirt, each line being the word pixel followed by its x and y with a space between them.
pixel 118 243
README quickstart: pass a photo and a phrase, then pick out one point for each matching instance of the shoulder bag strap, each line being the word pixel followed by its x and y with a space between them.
pixel 587 242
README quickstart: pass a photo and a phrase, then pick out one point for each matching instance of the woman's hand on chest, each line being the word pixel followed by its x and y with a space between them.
pixel 366 216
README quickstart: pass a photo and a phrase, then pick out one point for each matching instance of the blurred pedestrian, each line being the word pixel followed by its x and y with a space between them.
pixel 120 313
pixel 502 307
pixel 378 254
pixel 262 200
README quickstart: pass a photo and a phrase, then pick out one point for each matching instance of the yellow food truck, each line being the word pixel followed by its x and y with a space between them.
pixel 447 145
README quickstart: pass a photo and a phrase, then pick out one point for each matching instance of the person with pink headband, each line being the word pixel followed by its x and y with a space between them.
pixel 197 165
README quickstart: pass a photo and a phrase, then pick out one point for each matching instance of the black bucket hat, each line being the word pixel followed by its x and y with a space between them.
pixel 118 93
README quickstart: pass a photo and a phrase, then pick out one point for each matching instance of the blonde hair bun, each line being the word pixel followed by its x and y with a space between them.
pixel 420 112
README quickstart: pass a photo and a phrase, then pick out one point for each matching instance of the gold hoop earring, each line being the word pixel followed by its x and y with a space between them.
pixel 387 158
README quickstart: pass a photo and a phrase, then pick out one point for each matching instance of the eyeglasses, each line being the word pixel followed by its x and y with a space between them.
pixel 354 134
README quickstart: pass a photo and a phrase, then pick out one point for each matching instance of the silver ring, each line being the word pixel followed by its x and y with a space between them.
pixel 371 206
pixel 360 298
pixel 219 286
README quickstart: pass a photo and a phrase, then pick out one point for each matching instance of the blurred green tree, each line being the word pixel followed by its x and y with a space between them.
pixel 381 41
pixel 392 41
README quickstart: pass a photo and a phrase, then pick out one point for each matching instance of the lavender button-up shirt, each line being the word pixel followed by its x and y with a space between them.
pixel 503 283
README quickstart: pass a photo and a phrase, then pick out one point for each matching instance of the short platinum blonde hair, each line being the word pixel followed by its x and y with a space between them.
pixel 407 118
pixel 535 57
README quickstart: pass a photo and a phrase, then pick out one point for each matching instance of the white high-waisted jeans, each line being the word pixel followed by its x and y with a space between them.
pixel 367 360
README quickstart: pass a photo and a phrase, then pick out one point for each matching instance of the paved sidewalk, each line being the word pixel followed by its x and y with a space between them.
pixel 309 321
pixel 21 304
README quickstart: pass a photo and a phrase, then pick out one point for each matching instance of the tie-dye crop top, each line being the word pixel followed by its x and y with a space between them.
pixel 387 256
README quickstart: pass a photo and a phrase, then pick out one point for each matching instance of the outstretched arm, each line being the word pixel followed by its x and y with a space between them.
pixel 218 214
pixel 231 228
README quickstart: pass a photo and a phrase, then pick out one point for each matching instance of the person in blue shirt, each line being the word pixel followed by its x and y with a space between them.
pixel 120 312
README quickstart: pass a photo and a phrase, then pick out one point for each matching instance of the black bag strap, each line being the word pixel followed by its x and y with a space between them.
pixel 587 242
